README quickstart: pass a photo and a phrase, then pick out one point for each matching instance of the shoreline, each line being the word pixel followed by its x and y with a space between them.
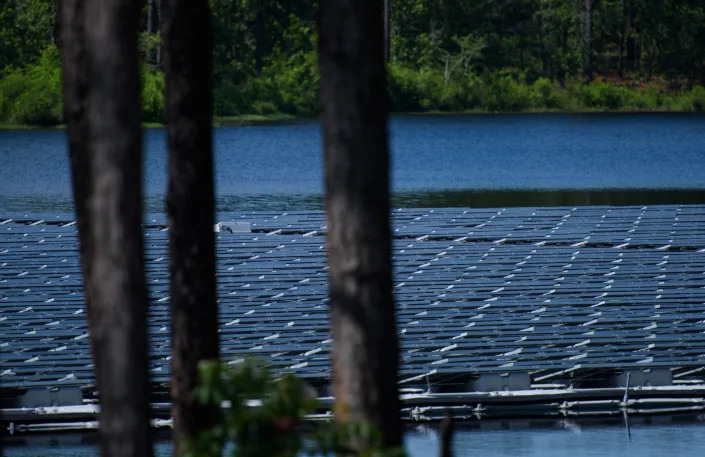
pixel 282 118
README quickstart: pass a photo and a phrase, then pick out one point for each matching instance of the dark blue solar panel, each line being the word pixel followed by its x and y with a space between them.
pixel 478 290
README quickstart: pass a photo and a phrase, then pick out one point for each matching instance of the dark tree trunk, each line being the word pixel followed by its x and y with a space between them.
pixel 387 31
pixel 447 434
pixel 101 84
pixel 588 40
pixel 186 28
pixel 631 42
pixel 152 17
pixel 623 34
pixel 74 70
pixel 354 113
pixel 259 39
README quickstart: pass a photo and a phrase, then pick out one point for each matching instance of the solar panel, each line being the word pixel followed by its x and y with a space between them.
pixel 542 291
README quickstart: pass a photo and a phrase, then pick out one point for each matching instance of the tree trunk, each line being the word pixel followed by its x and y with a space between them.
pixel 259 39
pixel 186 28
pixel 101 86
pixel 152 17
pixel 387 31
pixel 623 34
pixel 631 45
pixel 588 40
pixel 354 113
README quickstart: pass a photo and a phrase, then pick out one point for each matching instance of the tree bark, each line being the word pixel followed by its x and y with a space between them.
pixel 259 38
pixel 623 34
pixel 186 28
pixel 354 113
pixel 588 40
pixel 152 17
pixel 447 434
pixel 387 31
pixel 101 86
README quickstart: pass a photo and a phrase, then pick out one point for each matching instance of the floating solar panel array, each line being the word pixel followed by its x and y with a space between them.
pixel 554 293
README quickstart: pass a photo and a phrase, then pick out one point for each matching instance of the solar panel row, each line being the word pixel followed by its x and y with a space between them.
pixel 537 290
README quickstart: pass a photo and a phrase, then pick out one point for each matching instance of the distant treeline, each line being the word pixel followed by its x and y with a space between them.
pixel 445 55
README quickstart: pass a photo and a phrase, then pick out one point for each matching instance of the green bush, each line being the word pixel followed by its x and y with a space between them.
pixel 264 107
pixel 152 95
pixel 650 99
pixel 504 93
pixel 599 94
pixel 697 99
pixel 230 99
pixel 265 417
pixel 545 94
pixel 404 88
pixel 33 95
pixel 426 89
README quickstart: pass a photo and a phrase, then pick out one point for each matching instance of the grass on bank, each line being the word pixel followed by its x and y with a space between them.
pixel 218 121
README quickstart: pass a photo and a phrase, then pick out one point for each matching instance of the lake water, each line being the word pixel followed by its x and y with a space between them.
pixel 646 437
pixel 478 160
pixel 475 160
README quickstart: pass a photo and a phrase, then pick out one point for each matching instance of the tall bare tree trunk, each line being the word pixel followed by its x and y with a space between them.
pixel 354 111
pixel 387 31
pixel 186 28
pixel 152 17
pixel 623 33
pixel 260 26
pixel 588 40
pixel 101 84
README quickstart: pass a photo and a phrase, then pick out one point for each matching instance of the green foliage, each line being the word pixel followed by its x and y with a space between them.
pixel 599 94
pixel 545 94
pixel 33 95
pixel 513 55
pixel 27 28
pixel 270 429
pixel 697 99
pixel 265 416
pixel 152 95
pixel 148 45
pixel 290 85
pixel 505 93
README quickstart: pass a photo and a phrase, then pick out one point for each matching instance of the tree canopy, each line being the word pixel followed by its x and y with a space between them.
pixel 444 55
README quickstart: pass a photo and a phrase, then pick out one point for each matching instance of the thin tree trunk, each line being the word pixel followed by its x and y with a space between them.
pixel 259 39
pixel 588 40
pixel 74 69
pixel 447 434
pixel 152 17
pixel 186 28
pixel 630 44
pixel 101 84
pixel 623 33
pixel 387 31
pixel 354 113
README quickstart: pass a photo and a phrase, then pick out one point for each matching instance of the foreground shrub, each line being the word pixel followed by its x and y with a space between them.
pixel 265 416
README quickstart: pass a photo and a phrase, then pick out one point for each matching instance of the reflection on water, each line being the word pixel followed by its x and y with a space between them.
pixel 478 161
pixel 508 198
pixel 655 436
pixel 416 199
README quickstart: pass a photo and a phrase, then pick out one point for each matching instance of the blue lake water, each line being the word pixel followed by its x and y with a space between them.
pixel 646 437
pixel 475 160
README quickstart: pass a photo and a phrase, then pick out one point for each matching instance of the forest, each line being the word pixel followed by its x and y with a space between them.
pixel 443 56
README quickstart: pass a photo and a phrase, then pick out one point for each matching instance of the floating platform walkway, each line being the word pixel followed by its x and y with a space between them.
pixel 562 304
